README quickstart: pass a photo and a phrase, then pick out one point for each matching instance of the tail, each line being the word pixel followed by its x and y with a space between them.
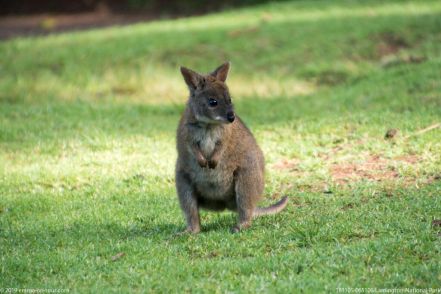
pixel 273 209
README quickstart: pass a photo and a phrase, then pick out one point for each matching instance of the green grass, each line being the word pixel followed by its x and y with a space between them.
pixel 87 152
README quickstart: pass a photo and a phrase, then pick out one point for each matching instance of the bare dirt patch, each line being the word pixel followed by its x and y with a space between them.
pixel 389 48
pixel 43 24
pixel 411 159
pixel 346 170
pixel 390 44
pixel 373 168
pixel 287 164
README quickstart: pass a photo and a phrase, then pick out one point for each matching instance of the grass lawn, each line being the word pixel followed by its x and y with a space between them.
pixel 87 152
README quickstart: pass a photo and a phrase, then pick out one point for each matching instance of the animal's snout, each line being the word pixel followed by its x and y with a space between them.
pixel 231 116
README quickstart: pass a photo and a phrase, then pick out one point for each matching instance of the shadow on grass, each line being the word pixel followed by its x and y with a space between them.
pixel 215 223
pixel 92 55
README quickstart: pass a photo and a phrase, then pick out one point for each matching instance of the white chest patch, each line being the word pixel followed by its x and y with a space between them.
pixel 207 139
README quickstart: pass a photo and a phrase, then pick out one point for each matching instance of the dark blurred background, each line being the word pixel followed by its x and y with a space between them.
pixel 76 6
pixel 28 17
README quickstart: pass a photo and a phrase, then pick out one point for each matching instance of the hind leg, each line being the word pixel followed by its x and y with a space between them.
pixel 248 188
pixel 188 202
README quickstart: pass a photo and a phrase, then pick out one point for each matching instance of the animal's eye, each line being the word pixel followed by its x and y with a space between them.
pixel 212 102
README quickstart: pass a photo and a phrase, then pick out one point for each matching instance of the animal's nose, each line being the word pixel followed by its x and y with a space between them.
pixel 231 116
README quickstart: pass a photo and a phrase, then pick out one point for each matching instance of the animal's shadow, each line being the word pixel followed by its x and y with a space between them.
pixel 218 223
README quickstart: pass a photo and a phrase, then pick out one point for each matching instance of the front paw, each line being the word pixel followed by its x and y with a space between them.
pixel 202 162
pixel 212 164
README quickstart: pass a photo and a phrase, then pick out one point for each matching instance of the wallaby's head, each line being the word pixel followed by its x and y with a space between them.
pixel 210 100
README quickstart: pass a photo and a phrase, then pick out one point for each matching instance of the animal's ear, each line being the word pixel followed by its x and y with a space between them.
pixel 192 78
pixel 221 72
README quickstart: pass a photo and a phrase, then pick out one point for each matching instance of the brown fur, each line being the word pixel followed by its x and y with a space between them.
pixel 219 166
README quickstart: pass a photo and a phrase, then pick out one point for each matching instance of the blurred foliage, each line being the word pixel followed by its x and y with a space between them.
pixel 191 6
